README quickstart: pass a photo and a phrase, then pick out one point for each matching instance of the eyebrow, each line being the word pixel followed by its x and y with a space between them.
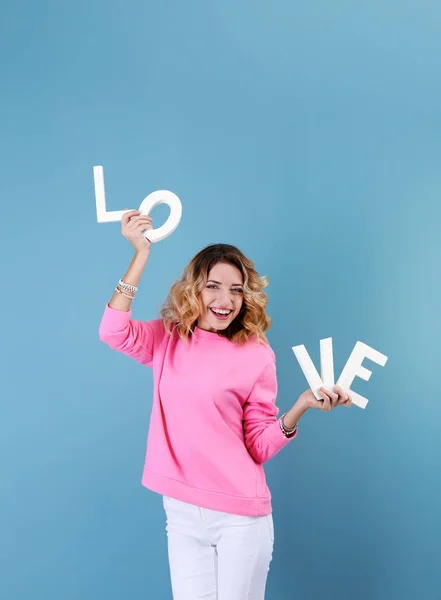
pixel 219 283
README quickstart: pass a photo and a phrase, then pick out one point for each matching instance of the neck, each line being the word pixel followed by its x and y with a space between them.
pixel 201 326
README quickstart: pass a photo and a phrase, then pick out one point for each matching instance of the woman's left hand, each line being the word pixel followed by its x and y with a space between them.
pixel 331 399
pixel 334 398
pixel 308 400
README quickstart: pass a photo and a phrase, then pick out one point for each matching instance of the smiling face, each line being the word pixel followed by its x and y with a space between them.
pixel 223 293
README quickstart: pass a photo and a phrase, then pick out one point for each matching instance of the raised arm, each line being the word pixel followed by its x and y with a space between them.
pixel 117 329
pixel 132 226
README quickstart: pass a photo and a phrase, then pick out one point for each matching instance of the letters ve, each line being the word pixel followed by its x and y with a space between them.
pixel 352 369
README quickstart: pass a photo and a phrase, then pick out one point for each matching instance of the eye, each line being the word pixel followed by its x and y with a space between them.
pixel 213 286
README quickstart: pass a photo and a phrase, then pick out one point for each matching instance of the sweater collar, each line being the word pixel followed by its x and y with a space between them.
pixel 209 335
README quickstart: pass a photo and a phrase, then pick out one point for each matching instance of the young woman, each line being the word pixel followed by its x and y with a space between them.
pixel 214 419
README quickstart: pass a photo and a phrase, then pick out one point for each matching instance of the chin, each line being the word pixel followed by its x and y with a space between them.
pixel 216 325
pixel 219 324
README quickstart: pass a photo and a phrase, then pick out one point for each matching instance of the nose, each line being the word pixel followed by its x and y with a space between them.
pixel 225 299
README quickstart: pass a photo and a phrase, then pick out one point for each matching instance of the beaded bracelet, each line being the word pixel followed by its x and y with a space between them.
pixel 127 286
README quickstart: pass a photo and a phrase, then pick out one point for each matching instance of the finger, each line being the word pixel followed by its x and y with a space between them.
pixel 342 395
pixel 326 399
pixel 140 231
pixel 140 218
pixel 339 390
pixel 128 215
pixel 333 397
pixel 136 222
pixel 131 213
pixel 348 402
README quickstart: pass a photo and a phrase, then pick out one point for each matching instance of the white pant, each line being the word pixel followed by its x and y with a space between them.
pixel 215 555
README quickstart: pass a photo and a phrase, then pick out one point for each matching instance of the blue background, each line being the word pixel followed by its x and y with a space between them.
pixel 306 133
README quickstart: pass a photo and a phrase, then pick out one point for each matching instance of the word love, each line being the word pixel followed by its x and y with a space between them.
pixel 351 370
pixel 147 205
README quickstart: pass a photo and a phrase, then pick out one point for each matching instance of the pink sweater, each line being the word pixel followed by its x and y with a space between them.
pixel 214 419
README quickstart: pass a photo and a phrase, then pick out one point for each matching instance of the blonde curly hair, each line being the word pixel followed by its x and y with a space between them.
pixel 183 304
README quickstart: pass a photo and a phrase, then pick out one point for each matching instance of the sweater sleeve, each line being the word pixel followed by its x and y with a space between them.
pixel 126 335
pixel 263 436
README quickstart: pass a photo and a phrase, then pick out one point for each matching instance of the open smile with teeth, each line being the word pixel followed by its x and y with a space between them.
pixel 221 313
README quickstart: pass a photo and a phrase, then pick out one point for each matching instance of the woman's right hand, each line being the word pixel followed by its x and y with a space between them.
pixel 133 224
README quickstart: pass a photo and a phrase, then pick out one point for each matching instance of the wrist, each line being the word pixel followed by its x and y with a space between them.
pixel 142 254
pixel 292 417
pixel 302 403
